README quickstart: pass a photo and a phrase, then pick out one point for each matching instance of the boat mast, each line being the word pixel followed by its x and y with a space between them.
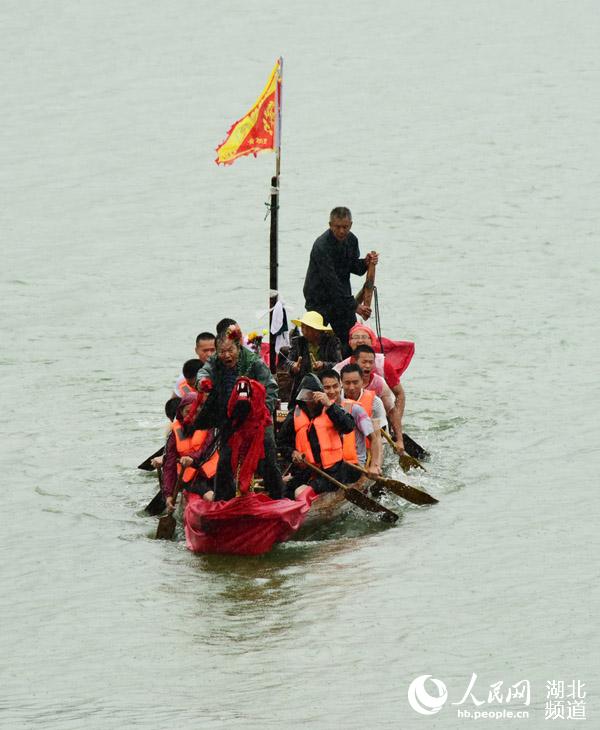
pixel 274 208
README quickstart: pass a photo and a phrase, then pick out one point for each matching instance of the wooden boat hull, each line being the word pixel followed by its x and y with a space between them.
pixel 327 507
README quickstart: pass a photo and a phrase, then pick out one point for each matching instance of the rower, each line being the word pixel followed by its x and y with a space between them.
pixel 365 434
pixel 352 385
pixel 313 432
pixel 205 347
pixel 361 336
pixel 317 349
pixel 394 407
pixel 171 407
pixel 364 357
pixel 189 450
pixel 189 372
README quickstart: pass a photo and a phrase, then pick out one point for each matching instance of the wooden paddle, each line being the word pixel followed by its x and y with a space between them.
pixel 166 527
pixel 412 448
pixel 365 294
pixel 146 465
pixel 367 297
pixel 157 504
pixel 410 494
pixel 406 461
pixel 356 496
pixel 167 523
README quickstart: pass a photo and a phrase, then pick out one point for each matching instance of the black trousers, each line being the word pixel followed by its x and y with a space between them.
pixel 267 469
pixel 339 471
pixel 341 323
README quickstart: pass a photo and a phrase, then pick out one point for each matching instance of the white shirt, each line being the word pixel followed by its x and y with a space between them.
pixel 176 388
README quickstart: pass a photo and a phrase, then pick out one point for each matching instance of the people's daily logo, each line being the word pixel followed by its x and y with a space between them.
pixel 565 699
pixel 420 699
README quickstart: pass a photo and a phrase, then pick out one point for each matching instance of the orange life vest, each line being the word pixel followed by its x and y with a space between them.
pixel 187 446
pixel 349 439
pixel 329 439
pixel 367 397
pixel 186 388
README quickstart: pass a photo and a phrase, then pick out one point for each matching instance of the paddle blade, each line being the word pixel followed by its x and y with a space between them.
pixel 146 465
pixel 412 448
pixel 370 505
pixel 157 506
pixel 409 462
pixel 410 494
pixel 166 528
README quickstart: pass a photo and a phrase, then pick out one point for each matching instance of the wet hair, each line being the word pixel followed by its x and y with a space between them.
pixel 205 336
pixel 340 213
pixel 224 324
pixel 171 407
pixel 351 368
pixel 329 374
pixel 191 367
pixel 363 348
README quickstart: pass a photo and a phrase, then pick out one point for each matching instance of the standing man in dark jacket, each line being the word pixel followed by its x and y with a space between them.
pixel 334 256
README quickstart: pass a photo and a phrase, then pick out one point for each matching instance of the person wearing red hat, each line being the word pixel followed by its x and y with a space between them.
pixel 360 335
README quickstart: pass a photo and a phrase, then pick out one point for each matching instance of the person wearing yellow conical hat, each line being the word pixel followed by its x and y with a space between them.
pixel 313 351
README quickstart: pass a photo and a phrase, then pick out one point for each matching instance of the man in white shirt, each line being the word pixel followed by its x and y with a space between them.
pixel 394 404
pixel 352 386
pixel 364 428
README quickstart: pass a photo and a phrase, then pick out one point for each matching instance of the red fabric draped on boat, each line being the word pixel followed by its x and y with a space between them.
pixel 397 352
pixel 247 525
pixel 265 352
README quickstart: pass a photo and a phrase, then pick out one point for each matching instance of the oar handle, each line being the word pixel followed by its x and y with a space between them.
pixel 388 438
pixel 407 458
pixel 178 486
pixel 362 469
pixel 324 474
pixel 356 496
pixel 378 479
pixel 369 284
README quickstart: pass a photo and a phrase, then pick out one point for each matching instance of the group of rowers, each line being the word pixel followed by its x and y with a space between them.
pixel 224 402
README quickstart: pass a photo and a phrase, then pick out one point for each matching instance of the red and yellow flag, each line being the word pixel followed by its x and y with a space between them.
pixel 257 130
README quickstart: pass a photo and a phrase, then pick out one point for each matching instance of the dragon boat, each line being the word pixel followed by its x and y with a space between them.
pixel 252 524
pixel 246 525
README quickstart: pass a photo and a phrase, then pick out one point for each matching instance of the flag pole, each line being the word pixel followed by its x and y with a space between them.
pixel 274 208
